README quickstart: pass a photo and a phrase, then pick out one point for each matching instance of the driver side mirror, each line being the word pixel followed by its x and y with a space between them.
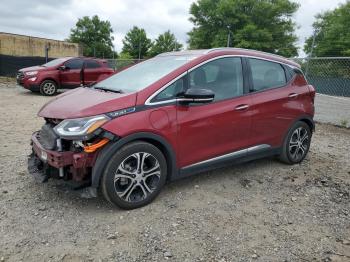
pixel 62 68
pixel 197 95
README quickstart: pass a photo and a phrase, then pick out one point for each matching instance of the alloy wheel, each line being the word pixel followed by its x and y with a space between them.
pixel 299 143
pixel 49 88
pixel 137 177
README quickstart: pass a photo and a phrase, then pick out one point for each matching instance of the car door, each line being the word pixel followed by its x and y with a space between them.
pixel 274 102
pixel 210 130
pixel 70 76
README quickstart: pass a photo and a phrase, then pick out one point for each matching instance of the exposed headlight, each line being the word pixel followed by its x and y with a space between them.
pixel 31 73
pixel 80 128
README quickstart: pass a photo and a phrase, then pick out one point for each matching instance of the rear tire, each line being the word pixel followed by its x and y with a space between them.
pixel 296 145
pixel 48 88
pixel 134 176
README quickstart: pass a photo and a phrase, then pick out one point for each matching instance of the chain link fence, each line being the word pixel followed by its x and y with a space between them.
pixel 119 64
pixel 329 75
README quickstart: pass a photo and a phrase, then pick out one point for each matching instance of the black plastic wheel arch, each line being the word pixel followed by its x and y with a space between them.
pixel 113 147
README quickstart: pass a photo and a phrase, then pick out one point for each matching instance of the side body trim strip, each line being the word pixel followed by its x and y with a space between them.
pixel 238 153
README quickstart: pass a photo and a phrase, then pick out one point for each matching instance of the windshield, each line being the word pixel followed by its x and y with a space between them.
pixel 143 74
pixel 55 62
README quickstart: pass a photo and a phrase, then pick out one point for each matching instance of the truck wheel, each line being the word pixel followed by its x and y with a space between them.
pixel 134 176
pixel 48 88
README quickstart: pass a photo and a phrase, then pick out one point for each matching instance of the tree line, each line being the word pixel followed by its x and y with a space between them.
pixel 95 37
pixel 262 25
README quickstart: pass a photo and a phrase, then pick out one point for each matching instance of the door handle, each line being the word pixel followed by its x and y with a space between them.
pixel 292 95
pixel 241 107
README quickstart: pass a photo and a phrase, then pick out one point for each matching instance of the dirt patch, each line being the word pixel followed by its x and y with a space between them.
pixel 259 211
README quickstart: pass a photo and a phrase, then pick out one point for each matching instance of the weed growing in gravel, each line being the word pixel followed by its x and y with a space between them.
pixel 344 123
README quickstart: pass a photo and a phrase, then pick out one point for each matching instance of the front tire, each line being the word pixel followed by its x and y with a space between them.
pixel 297 143
pixel 134 176
pixel 48 88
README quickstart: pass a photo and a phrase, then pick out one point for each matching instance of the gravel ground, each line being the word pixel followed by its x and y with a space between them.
pixel 259 211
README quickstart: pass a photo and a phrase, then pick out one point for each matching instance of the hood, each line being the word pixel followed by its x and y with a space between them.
pixel 33 68
pixel 83 102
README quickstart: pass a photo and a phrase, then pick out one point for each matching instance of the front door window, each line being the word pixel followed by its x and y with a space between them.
pixel 222 76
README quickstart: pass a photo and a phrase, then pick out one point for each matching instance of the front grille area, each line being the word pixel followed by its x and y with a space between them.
pixel 53 121
pixel 47 137
pixel 20 75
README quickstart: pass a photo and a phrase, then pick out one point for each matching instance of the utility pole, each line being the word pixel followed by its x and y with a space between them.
pixel 47 48
pixel 139 45
pixel 311 51
pixel 139 50
pixel 228 36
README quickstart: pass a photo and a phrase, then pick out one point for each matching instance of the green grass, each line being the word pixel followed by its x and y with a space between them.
pixel 344 123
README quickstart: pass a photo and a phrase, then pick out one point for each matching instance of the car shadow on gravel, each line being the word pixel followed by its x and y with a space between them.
pixel 28 93
pixel 237 172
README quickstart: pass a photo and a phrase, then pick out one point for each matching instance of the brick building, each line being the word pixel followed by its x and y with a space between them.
pixel 18 51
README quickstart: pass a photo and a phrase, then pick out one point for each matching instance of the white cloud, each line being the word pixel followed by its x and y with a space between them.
pixel 53 19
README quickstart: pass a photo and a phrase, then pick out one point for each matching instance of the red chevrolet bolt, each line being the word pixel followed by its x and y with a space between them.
pixel 171 116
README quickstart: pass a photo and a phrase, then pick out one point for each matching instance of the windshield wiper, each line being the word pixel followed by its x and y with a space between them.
pixel 108 89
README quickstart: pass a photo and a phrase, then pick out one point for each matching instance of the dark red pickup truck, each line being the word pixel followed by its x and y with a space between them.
pixel 67 72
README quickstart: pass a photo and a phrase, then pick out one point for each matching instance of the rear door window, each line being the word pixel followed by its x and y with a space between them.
pixel 76 63
pixel 266 74
pixel 92 64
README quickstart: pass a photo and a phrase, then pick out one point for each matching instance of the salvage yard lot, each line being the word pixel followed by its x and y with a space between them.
pixel 259 211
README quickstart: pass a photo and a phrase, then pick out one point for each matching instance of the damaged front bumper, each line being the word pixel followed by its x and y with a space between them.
pixel 44 164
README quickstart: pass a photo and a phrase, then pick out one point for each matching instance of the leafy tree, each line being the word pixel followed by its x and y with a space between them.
pixel 94 35
pixel 332 33
pixel 165 42
pixel 263 25
pixel 136 43
pixel 124 60
pixel 124 56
